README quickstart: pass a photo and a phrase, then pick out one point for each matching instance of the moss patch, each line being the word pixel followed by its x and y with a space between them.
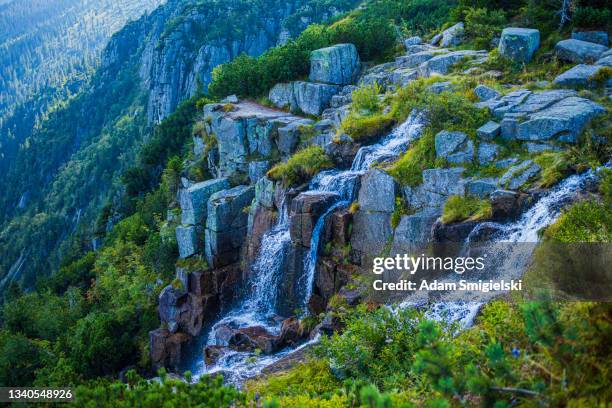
pixel 301 166
pixel 459 208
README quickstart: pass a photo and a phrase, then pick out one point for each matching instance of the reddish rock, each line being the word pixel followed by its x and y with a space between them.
pixel 306 209
pixel 252 338
pixel 166 348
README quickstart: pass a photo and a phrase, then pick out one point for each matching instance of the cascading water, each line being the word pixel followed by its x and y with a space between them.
pixel 258 308
pixel 345 182
pixel 511 260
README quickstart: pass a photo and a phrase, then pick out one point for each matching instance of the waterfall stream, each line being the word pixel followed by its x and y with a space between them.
pixel 258 309
pixel 513 244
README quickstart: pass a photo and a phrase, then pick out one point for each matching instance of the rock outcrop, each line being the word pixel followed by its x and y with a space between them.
pixel 454 147
pixel 519 44
pixel 579 51
pixel 336 65
pixel 226 225
pixel 246 130
pixel 306 209
pixel 558 115
pixel 310 98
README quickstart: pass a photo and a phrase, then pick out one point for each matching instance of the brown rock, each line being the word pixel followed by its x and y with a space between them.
pixel 306 209
pixel 212 354
pixel 341 220
pixel 166 348
pixel 291 333
pixel 251 338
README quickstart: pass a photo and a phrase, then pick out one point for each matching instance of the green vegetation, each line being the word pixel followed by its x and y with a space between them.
pixel 481 25
pixel 529 353
pixel 371 28
pixel 401 209
pixel 587 221
pixel 206 393
pixel 452 111
pixel 458 208
pixel 301 166
pixel 366 120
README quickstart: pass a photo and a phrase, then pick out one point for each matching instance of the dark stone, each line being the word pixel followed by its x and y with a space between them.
pixel 290 334
pixel 507 205
pixel 166 348
pixel 305 212
pixel 455 232
pixel 212 354
pixel 341 220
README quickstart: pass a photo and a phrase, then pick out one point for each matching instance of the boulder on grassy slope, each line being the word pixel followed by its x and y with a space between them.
pixel 519 44
pixel 579 51
pixel 335 65
pixel 582 75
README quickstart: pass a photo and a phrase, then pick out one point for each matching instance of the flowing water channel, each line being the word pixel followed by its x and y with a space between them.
pixel 259 307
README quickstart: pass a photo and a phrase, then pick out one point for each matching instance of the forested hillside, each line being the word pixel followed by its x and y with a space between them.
pixel 68 168
pixel 45 44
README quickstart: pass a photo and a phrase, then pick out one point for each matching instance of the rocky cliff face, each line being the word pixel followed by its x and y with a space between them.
pixel 147 69
pixel 179 60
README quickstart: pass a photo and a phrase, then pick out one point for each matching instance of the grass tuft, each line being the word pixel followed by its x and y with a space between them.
pixel 459 208
pixel 301 166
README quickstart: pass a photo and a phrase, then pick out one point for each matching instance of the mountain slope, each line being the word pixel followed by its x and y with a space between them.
pixel 65 171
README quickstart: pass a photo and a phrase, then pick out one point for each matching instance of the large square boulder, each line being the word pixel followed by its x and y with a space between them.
pixel 336 65
pixel 193 201
pixel 226 225
pixel 519 44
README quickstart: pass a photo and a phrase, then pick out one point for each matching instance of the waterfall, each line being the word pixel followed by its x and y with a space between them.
pixel 266 270
pixel 258 308
pixel 310 262
pixel 345 182
pixel 512 245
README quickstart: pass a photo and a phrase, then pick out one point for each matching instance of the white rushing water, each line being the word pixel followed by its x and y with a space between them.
pixel 512 247
pixel 259 307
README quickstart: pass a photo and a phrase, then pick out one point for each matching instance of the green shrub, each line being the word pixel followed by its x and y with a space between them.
pixel 365 99
pixel 555 167
pixel 587 221
pixel 313 377
pixel 208 392
pixel 376 347
pixel 458 208
pixel 481 25
pixel 408 170
pixel 401 209
pixel 301 166
pixel 593 18
pixel 366 128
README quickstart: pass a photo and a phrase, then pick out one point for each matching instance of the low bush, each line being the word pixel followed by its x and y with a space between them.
pixel 587 221
pixel 301 166
pixel 458 208
pixel 366 128
pixel 481 25
pixel 208 392
pixel 408 170
pixel 365 99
